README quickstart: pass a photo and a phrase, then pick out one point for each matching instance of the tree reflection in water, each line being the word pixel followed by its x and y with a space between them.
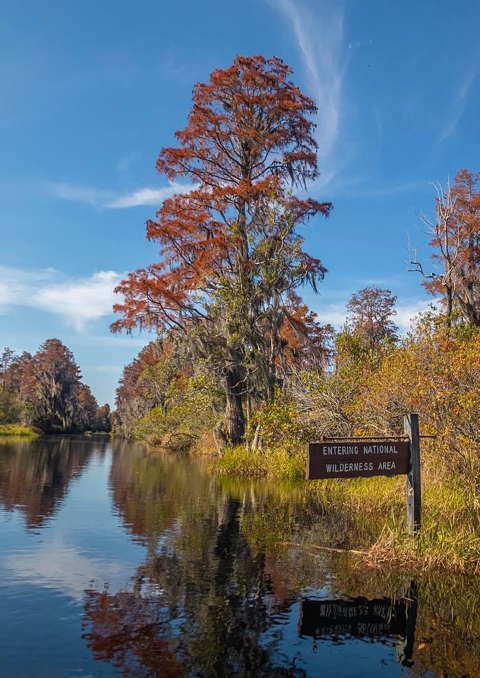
pixel 35 475
pixel 203 599
pixel 215 592
pixel 190 618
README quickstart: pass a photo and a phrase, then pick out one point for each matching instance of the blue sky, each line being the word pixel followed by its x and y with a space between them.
pixel 90 93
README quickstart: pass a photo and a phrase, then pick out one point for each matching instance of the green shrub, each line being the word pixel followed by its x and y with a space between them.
pixel 17 430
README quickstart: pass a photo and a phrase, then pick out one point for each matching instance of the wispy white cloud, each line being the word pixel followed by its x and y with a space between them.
pixel 16 285
pixel 360 43
pixel 148 196
pixel 320 39
pixel 77 301
pixel 86 194
pixel 110 200
pixel 332 314
pixel 126 162
pixel 127 342
pixel 407 309
pixel 459 103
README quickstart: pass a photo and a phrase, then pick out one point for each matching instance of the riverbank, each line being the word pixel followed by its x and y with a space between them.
pixel 278 464
pixel 450 536
pixel 18 430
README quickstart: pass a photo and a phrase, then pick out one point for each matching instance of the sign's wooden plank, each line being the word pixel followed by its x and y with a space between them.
pixel 384 465
pixel 352 450
pixel 364 457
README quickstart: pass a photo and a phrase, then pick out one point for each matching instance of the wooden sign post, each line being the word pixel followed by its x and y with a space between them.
pixel 414 492
pixel 365 457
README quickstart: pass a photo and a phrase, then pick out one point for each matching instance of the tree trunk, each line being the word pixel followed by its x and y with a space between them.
pixel 234 416
pixel 449 306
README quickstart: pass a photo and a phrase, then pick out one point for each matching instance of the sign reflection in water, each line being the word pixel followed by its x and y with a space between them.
pixel 380 618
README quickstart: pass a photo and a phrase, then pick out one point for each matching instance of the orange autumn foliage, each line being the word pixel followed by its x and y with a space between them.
pixel 436 374
pixel 229 254
pixel 247 137
pixel 456 242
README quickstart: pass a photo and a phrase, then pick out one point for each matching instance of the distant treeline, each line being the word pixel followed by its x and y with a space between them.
pixel 45 391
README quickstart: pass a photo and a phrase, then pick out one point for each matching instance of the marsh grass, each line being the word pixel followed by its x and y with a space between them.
pixel 18 431
pixel 247 463
pixel 450 534
pixel 449 547
pixel 449 538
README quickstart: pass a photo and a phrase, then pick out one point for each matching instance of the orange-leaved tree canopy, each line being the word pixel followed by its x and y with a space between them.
pixel 455 231
pixel 456 239
pixel 230 253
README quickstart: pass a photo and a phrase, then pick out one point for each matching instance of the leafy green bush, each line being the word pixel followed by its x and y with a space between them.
pixel 186 416
pixel 279 425
pixel 17 430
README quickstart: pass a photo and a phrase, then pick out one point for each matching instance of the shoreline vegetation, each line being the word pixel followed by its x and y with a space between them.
pixel 434 371
pixel 18 431
pixel 44 393
pixel 449 538
pixel 23 431
pixel 243 367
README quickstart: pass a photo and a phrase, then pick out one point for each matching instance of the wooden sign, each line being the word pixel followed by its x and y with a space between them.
pixel 365 457
pixel 357 458
pixel 359 618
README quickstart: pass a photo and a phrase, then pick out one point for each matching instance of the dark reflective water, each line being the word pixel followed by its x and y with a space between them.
pixel 115 561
